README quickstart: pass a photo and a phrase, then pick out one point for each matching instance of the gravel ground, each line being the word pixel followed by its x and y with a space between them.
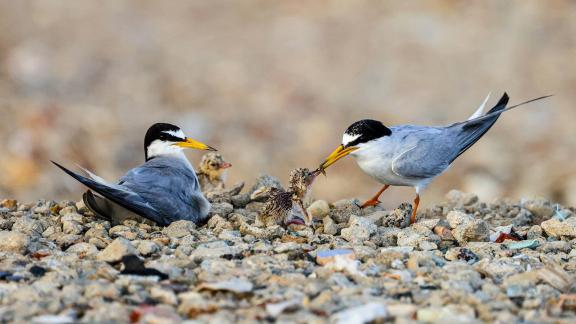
pixel 463 261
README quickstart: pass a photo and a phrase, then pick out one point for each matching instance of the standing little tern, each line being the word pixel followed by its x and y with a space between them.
pixel 164 189
pixel 407 155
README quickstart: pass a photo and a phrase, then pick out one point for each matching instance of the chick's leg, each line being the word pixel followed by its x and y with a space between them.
pixel 374 200
pixel 415 208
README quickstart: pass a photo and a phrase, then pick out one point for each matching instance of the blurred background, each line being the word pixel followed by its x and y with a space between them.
pixel 273 85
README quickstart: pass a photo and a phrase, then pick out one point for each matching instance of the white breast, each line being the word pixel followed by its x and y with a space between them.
pixel 376 158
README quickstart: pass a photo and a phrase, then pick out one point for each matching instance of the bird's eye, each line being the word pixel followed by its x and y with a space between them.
pixel 213 165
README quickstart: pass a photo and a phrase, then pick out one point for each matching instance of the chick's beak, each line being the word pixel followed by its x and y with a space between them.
pixel 225 165
pixel 190 143
pixel 338 153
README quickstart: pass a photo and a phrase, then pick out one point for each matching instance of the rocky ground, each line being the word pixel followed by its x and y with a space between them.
pixel 463 261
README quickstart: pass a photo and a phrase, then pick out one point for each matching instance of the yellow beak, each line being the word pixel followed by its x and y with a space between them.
pixel 338 153
pixel 190 143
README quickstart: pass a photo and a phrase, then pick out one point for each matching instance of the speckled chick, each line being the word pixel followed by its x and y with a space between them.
pixel 287 207
pixel 212 172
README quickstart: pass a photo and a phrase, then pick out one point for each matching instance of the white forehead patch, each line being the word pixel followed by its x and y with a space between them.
pixel 179 133
pixel 347 138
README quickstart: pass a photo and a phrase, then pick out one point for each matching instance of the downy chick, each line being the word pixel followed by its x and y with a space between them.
pixel 287 207
pixel 212 172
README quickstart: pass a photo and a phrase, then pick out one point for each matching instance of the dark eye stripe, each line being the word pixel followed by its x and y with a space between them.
pixel 158 132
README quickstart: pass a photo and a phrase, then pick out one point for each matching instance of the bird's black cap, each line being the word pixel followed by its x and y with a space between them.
pixel 163 132
pixel 366 130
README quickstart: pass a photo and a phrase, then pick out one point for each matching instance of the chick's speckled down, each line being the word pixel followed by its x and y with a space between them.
pixel 287 207
pixel 212 172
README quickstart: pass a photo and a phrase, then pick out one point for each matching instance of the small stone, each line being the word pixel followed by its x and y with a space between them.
pixel 370 312
pixel 541 208
pixel 473 231
pixel 179 229
pixel 359 229
pixel 13 242
pixel 238 286
pixel 101 289
pixel 526 244
pixel 29 226
pixel 9 204
pixel 6 224
pixel 164 296
pixel 84 249
pixel 460 198
pixel 72 227
pixel 409 237
pixel 275 309
pixel 399 217
pixel 67 240
pixel 318 209
pixel 330 227
pixel 407 311
pixel 223 209
pixel 342 210
pixel 218 224
pixel 68 210
pixel 147 248
pixel 114 252
pixel 324 257
pixel 556 228
pixel 241 200
pixel 427 246
pixel 534 232
pixel 456 218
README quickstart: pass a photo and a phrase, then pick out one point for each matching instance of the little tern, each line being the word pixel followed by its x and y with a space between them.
pixel 408 155
pixel 164 189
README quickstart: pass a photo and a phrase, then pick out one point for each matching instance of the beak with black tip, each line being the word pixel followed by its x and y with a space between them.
pixel 194 144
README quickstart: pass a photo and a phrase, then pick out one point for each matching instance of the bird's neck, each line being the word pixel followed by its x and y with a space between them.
pixel 177 155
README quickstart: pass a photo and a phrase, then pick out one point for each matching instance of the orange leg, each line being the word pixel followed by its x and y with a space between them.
pixel 374 200
pixel 416 203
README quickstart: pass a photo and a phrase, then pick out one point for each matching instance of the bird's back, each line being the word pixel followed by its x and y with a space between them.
pixel 169 184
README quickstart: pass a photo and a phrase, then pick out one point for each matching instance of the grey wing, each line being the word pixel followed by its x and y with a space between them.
pixel 170 188
pixel 427 154
pixel 118 194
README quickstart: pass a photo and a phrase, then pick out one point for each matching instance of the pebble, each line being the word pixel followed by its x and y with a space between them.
pixel 330 227
pixel 399 217
pixel 14 242
pixel 83 249
pixel 148 248
pixel 350 265
pixel 318 209
pixel 179 229
pixel 556 228
pixel 361 314
pixel 223 209
pixel 359 229
pixel 324 257
pixel 476 230
pixel 342 209
pixel 114 252
pixel 238 286
pixel 541 209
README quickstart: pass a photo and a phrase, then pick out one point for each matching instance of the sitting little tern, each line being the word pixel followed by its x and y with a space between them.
pixel 407 155
pixel 164 189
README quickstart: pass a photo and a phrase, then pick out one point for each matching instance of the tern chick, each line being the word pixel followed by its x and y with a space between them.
pixel 164 189
pixel 212 172
pixel 287 207
pixel 408 155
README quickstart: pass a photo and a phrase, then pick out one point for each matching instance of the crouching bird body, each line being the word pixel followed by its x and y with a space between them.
pixel 162 190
